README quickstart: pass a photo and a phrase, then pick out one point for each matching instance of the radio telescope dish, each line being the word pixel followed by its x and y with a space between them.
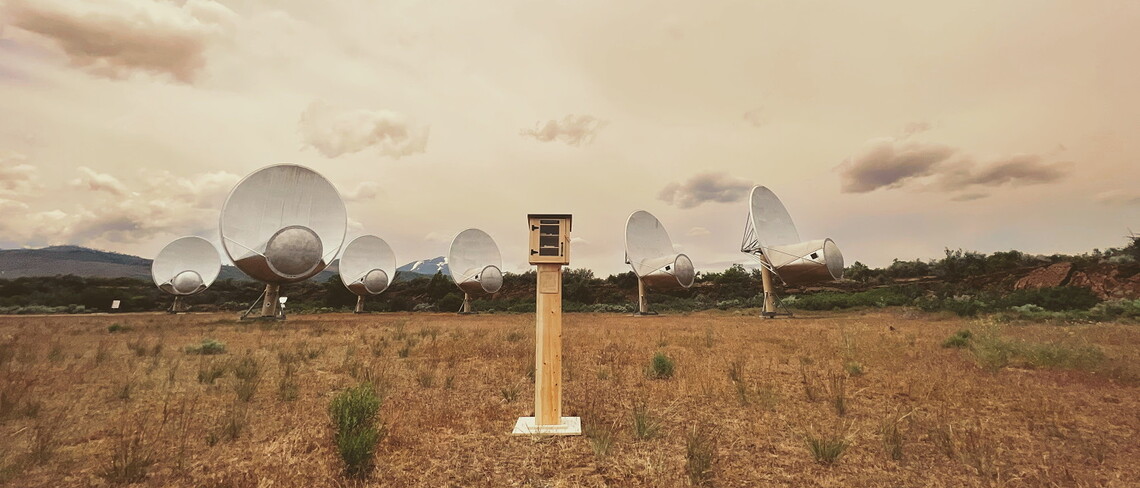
pixel 282 224
pixel 186 266
pixel 475 264
pixel 367 267
pixel 770 235
pixel 649 251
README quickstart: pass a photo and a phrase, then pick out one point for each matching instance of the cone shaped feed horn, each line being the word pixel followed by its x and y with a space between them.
pixel 367 265
pixel 186 266
pixel 771 235
pixel 475 263
pixel 283 224
pixel 650 253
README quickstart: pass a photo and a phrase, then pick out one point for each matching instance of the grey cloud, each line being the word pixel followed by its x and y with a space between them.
pixel 1022 169
pixel 573 129
pixel 966 197
pixel 705 187
pixel 115 38
pixel 916 127
pixel 893 163
pixel 889 163
pixel 335 132
pixel 1118 197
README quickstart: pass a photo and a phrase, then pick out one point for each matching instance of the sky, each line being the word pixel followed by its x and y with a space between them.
pixel 898 129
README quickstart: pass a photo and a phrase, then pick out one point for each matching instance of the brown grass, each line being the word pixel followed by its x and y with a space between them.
pixel 915 414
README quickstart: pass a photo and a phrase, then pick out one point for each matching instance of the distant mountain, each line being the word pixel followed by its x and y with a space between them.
pixel 82 261
pixel 423 268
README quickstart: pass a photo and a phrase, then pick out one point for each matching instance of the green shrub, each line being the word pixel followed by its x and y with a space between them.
pixel 206 347
pixel 353 413
pixel 959 340
pixel 113 328
pixel 660 367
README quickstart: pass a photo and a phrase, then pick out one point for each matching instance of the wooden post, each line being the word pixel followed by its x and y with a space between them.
pixel 769 295
pixel 548 346
pixel 359 304
pixel 269 306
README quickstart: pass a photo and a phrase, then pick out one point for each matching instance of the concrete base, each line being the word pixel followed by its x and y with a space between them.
pixel 645 314
pixel 569 426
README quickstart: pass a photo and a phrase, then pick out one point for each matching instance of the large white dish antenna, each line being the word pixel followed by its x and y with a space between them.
pixel 186 266
pixel 650 253
pixel 771 235
pixel 367 265
pixel 283 224
pixel 475 263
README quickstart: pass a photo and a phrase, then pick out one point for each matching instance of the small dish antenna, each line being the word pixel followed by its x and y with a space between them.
pixel 770 236
pixel 475 265
pixel 367 267
pixel 649 251
pixel 282 224
pixel 186 266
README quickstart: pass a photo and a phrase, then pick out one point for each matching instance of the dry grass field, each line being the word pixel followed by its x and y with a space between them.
pixel 1020 405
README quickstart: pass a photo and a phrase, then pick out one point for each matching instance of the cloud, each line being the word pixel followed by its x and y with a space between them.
pixel 163 203
pixel 438 237
pixel 115 38
pixel 698 231
pixel 574 130
pixel 12 205
pixel 334 132
pixel 705 187
pixel 917 127
pixel 756 117
pixel 888 162
pixel 966 197
pixel 1020 169
pixel 893 163
pixel 366 190
pixel 17 178
pixel 98 182
pixel 1118 197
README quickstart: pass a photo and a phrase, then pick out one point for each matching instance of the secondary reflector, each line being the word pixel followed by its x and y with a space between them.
pixel 283 224
pixel 475 263
pixel 770 235
pixel 650 253
pixel 367 265
pixel 186 266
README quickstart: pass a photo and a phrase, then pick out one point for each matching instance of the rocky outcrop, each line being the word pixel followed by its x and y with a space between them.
pixel 1107 282
pixel 1049 276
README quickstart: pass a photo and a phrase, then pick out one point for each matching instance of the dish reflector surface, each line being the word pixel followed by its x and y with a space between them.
pixel 475 263
pixel 770 221
pixel 186 266
pixel 651 255
pixel 283 224
pixel 367 265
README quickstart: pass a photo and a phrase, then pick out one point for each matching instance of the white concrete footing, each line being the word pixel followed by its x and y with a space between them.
pixel 569 426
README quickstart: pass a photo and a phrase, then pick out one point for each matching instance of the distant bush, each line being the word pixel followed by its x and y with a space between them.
pixel 1114 309
pixel 353 413
pixel 959 340
pixel 878 297
pixel 206 347
pixel 1056 299
pixel 660 367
